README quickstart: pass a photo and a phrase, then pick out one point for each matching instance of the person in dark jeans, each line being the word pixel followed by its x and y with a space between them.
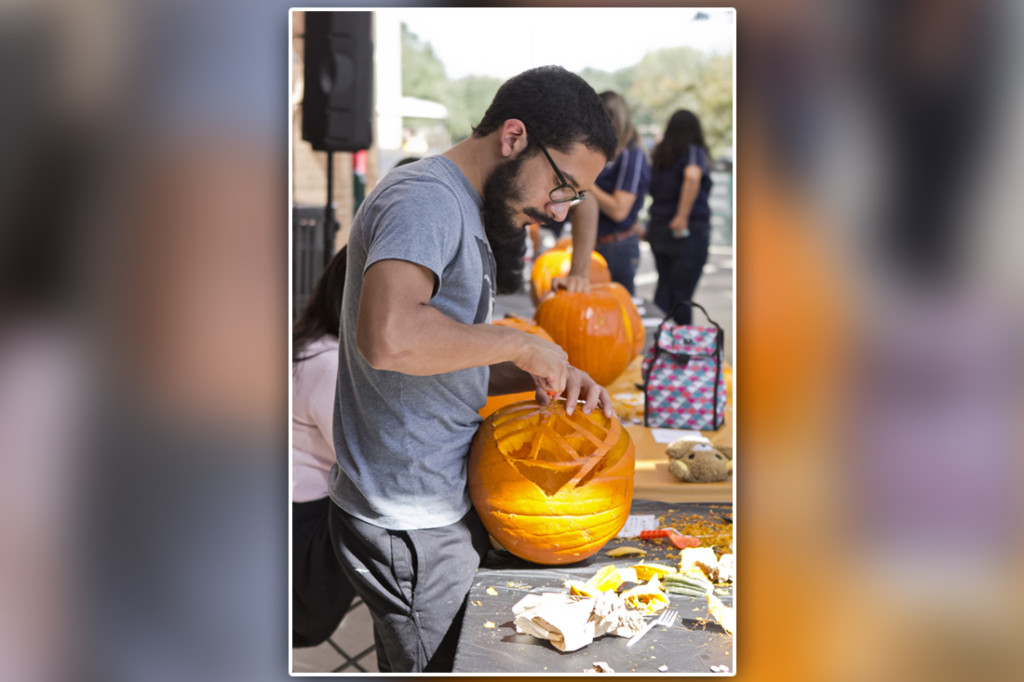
pixel 679 231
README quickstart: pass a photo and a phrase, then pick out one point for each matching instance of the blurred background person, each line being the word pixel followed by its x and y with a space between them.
pixel 680 218
pixel 620 190
pixel 320 592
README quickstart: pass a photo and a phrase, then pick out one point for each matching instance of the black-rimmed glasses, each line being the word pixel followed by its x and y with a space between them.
pixel 564 192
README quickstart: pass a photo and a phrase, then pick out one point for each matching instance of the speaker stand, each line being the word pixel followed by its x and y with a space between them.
pixel 330 225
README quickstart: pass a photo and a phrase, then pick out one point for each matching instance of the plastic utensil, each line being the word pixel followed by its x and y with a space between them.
pixel 666 618
pixel 675 537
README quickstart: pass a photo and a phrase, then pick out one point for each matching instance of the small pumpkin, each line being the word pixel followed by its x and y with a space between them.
pixel 552 488
pixel 557 263
pixel 594 329
pixel 530 327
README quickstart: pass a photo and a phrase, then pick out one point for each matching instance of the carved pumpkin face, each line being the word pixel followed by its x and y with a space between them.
pixel 550 487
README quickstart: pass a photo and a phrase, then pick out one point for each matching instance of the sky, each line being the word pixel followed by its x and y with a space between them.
pixel 502 42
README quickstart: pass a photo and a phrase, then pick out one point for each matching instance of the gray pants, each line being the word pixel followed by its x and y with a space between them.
pixel 414 583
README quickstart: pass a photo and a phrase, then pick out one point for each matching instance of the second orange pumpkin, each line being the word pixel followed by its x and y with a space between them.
pixel 593 328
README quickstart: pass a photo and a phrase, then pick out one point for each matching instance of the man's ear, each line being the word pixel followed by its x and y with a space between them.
pixel 513 138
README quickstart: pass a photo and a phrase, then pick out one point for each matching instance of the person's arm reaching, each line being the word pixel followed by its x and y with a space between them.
pixel 584 237
pixel 398 330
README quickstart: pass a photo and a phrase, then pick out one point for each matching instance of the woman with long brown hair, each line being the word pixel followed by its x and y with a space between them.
pixel 321 594
pixel 680 218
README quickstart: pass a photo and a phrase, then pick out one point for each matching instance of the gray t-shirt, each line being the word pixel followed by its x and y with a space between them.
pixel 402 441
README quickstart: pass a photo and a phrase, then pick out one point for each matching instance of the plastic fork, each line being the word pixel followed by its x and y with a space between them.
pixel 667 617
pixel 675 537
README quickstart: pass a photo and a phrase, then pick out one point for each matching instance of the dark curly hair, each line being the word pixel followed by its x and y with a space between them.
pixel 322 314
pixel 558 108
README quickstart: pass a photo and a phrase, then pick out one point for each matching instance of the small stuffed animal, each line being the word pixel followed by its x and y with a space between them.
pixel 697 462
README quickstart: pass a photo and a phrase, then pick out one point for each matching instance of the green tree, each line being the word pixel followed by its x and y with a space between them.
pixel 469 98
pixel 603 80
pixel 655 87
pixel 423 73
pixel 423 76
pixel 684 78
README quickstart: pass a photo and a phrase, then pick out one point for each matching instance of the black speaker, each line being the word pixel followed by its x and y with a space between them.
pixel 337 105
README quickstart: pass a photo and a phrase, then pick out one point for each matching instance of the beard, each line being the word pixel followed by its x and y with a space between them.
pixel 501 189
pixel 506 237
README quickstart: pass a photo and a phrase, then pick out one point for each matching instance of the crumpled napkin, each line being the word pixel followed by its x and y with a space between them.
pixel 571 622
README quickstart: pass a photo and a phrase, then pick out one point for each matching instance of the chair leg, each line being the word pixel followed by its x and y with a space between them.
pixel 352 661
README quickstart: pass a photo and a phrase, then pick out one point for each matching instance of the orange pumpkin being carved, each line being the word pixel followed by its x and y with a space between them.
pixel 594 329
pixel 552 488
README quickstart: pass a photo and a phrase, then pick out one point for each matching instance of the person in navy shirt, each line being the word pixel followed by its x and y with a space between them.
pixel 679 230
pixel 620 191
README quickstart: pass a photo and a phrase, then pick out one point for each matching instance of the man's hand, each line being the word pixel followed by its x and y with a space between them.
pixel 578 386
pixel 572 283
pixel 546 362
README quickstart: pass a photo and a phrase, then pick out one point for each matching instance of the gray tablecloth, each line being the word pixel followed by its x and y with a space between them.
pixel 693 644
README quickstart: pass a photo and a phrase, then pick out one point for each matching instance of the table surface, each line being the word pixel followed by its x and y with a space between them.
pixel 653 481
pixel 693 644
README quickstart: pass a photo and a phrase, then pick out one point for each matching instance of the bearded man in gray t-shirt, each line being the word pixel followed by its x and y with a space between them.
pixel 418 355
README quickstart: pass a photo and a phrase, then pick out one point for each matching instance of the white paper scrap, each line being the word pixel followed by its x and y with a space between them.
pixel 636 523
pixel 670 435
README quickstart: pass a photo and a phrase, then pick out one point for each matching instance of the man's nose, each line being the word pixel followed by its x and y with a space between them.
pixel 559 211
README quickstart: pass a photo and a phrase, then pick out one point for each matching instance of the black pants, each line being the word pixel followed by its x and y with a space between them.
pixel 680 264
pixel 415 584
pixel 321 594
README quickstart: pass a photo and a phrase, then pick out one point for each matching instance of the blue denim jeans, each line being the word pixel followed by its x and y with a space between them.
pixel 623 258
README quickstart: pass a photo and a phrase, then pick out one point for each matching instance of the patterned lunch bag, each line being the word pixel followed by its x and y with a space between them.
pixel 684 382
